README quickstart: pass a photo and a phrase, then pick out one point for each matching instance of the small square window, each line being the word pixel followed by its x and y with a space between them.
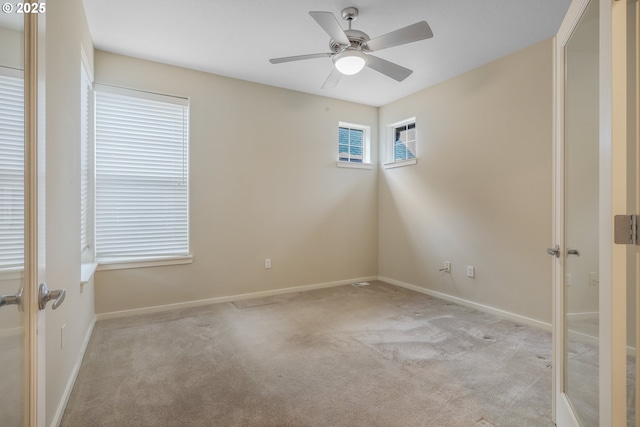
pixel 350 145
pixel 401 148
pixel 353 144
pixel 404 142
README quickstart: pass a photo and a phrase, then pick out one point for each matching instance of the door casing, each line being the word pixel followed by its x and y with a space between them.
pixel 35 262
pixel 613 199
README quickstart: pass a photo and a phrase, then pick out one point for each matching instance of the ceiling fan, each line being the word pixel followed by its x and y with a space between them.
pixel 350 49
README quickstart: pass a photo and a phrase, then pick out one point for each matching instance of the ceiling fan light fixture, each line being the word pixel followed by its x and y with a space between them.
pixel 350 62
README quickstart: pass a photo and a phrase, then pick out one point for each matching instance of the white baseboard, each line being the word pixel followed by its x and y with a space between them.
pixel 198 303
pixel 589 315
pixel 590 339
pixel 480 307
pixel 57 419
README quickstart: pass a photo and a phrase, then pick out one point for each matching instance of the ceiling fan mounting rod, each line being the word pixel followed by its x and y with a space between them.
pixel 350 14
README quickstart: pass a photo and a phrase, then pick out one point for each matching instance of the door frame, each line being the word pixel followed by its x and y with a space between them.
pixel 613 199
pixel 615 138
pixel 34 220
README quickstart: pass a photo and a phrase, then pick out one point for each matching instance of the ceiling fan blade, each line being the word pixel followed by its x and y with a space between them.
pixel 330 24
pixel 412 33
pixel 333 79
pixel 299 58
pixel 387 68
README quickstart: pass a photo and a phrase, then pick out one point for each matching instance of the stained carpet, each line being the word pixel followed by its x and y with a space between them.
pixel 375 355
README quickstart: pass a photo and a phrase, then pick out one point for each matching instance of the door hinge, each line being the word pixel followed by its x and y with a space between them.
pixel 625 229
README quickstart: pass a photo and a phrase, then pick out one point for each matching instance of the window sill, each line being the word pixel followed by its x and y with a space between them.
pixel 121 264
pixel 87 270
pixel 354 165
pixel 400 164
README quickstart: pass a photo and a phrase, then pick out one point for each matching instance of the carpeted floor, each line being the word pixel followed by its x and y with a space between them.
pixel 374 355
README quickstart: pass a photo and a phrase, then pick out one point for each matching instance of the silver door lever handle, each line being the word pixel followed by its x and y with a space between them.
pixel 555 251
pixel 11 299
pixel 45 295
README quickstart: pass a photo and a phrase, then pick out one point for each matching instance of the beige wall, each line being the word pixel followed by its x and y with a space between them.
pixel 264 184
pixel 480 193
pixel 66 31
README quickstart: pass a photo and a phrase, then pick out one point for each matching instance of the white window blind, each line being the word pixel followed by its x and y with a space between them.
pixel 86 98
pixel 141 174
pixel 11 171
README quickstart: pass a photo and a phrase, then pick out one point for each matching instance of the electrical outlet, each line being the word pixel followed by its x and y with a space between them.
pixel 471 271
pixel 267 263
pixel 594 279
pixel 569 280
pixel 447 266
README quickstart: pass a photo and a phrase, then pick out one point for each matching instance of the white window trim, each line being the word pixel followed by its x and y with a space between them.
pixel 87 270
pixel 400 163
pixel 88 253
pixel 119 264
pixel 86 63
pixel 351 165
pixel 173 99
pixel 390 145
pixel 366 147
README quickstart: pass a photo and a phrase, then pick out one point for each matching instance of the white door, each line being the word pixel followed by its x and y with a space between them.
pixel 595 179
pixel 14 309
pixel 22 263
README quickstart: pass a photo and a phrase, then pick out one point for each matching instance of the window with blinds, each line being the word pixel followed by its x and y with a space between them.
pixel 11 169
pixel 141 175
pixel 86 107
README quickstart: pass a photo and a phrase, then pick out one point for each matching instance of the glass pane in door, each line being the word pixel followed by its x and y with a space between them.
pixel 12 322
pixel 581 219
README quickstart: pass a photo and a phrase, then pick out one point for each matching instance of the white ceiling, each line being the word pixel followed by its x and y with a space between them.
pixel 236 38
